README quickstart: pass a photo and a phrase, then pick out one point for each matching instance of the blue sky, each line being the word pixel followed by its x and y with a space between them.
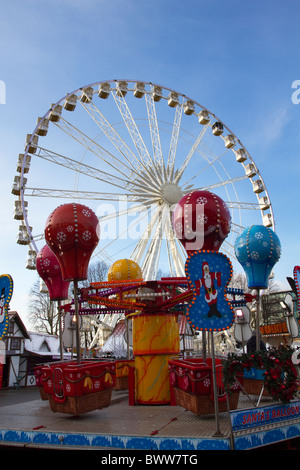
pixel 238 59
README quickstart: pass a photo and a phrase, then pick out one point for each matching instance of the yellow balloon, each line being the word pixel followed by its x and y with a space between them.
pixel 123 270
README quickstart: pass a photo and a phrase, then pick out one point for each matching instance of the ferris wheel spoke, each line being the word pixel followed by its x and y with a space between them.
pixel 154 132
pixel 173 248
pixel 104 256
pixel 236 228
pixel 150 261
pixel 209 155
pixel 120 145
pixel 211 163
pixel 127 211
pixel 82 168
pixel 38 237
pixel 61 193
pixel 145 191
pixel 174 142
pixel 145 158
pixel 222 183
pixel 78 194
pixel 243 205
pixel 170 260
pixel 141 246
pixel 174 264
pixel 132 129
pixel 92 172
pixel 228 249
pixel 122 235
pixel 91 145
pixel 191 153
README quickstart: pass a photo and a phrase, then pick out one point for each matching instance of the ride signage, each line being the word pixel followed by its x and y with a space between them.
pixel 208 274
pixel 263 416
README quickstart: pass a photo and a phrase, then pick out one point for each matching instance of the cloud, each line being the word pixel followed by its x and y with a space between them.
pixel 268 127
pixel 273 126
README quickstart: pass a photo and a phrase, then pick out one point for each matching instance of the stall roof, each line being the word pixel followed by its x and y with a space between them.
pixel 42 344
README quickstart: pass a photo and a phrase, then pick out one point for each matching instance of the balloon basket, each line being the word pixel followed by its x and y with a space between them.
pixel 38 371
pixel 202 404
pixel 254 387
pixel 43 395
pixel 253 382
pixel 122 373
pixel 82 404
pixel 76 388
pixel 191 384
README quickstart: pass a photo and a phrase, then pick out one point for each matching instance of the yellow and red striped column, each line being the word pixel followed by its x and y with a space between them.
pixel 155 342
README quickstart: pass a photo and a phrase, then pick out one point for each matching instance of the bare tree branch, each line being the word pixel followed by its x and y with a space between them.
pixel 43 314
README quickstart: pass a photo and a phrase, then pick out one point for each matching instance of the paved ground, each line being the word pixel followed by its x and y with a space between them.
pixel 24 409
pixel 13 396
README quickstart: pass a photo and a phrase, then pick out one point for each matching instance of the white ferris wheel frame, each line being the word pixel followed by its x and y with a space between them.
pixel 155 179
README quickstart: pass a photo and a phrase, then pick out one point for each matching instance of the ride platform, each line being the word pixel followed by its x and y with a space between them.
pixel 32 425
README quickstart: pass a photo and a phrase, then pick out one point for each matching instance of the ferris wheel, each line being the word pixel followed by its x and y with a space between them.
pixel 130 150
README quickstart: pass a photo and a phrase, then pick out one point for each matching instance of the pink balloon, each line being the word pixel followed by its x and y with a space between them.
pixel 201 221
pixel 49 270
pixel 72 232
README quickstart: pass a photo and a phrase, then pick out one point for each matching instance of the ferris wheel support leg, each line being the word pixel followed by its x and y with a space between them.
pixel 77 320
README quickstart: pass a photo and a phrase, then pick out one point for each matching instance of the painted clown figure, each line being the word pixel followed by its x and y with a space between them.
pixel 211 294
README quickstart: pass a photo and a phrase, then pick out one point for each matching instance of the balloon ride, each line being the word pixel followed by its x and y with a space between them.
pixel 49 270
pixel 201 221
pixel 258 249
pixel 155 160
pixel 72 232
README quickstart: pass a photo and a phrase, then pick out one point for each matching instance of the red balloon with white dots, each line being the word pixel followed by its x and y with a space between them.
pixel 201 221
pixel 72 232
pixel 48 267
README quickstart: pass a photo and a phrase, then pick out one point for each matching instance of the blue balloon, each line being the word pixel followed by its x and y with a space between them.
pixel 257 249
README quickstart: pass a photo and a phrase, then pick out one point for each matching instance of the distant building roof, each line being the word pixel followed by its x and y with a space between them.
pixel 42 344
pixel 116 343
pixel 14 316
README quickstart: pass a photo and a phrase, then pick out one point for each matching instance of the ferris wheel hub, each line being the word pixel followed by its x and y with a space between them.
pixel 171 193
